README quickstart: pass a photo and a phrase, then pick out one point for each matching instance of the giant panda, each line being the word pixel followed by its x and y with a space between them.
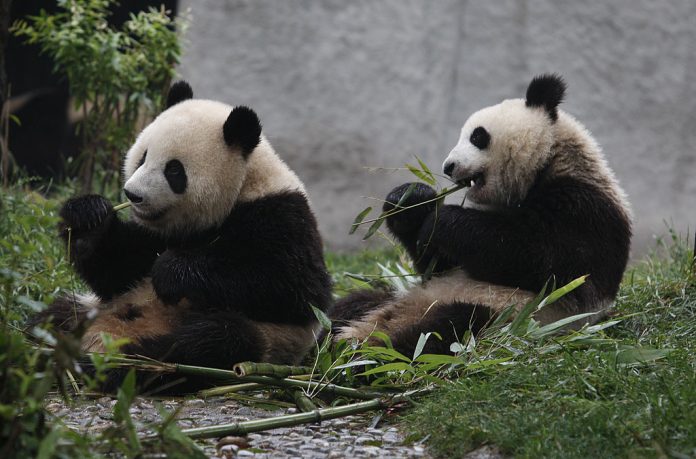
pixel 542 205
pixel 221 259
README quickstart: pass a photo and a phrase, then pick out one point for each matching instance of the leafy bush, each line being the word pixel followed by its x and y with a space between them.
pixel 112 74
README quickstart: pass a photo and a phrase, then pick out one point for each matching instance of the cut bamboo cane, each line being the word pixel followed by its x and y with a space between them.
pixel 318 415
pixel 270 381
pixel 269 369
pixel 122 206
pixel 303 402
pixel 222 390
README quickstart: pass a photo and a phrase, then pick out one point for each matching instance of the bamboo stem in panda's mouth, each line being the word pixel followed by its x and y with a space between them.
pixel 122 206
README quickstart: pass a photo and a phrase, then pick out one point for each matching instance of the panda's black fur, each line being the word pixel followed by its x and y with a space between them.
pixel 219 289
pixel 543 207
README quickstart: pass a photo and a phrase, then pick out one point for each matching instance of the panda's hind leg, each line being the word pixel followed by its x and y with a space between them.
pixel 451 321
pixel 216 340
pixel 356 305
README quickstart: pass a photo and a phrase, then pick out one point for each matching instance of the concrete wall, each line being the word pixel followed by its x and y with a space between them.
pixel 340 85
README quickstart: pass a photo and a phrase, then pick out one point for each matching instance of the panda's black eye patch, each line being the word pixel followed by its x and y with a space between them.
pixel 480 138
pixel 175 174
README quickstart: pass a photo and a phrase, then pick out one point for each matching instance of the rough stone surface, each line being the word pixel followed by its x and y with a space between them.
pixel 338 438
pixel 342 85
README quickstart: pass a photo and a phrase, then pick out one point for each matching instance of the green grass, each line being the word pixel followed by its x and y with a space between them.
pixel 583 403
pixel 575 402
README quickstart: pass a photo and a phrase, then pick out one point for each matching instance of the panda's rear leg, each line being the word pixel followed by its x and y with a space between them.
pixel 356 305
pixel 65 313
pixel 451 321
pixel 215 340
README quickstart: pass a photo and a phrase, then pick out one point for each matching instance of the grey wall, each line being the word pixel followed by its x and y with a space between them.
pixel 340 85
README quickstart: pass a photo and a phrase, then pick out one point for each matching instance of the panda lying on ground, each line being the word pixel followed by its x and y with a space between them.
pixel 543 205
pixel 221 259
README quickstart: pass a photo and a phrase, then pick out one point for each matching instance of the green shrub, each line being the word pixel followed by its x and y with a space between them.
pixel 112 74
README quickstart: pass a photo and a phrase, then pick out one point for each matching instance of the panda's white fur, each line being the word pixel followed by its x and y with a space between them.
pixel 217 180
pixel 530 139
pixel 543 204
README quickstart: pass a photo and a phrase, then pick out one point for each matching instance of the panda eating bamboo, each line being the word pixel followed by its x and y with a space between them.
pixel 221 260
pixel 542 206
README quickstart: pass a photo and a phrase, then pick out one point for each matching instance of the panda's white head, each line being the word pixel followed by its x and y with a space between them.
pixel 502 148
pixel 185 171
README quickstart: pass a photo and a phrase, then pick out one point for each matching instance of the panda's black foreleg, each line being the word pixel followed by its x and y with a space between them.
pixel 406 225
pixel 216 340
pixel 109 254
pixel 451 321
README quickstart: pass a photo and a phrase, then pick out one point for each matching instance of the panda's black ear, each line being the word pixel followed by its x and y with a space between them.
pixel 546 91
pixel 179 92
pixel 242 129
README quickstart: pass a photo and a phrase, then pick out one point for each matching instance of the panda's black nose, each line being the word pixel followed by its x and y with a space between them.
pixel 132 197
pixel 448 169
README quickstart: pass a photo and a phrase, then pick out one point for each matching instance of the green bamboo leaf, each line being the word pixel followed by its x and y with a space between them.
pixel 427 170
pixel 440 359
pixel 519 323
pixel 422 340
pixel 421 175
pixel 428 273
pixel 383 337
pixel 396 366
pixel 553 327
pixel 558 293
pixel 405 196
pixel 375 226
pixel 358 220
pixel 382 353
pixel 637 355
pixel 322 318
pixel 355 363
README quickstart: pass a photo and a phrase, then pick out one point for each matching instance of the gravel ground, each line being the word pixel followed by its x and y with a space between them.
pixel 352 436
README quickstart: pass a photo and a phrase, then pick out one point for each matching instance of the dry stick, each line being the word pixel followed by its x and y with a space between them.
pixel 318 415
pixel 268 369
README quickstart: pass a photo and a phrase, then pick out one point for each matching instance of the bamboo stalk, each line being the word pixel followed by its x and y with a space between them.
pixel 270 381
pixel 122 206
pixel 303 402
pixel 317 415
pixel 268 369
pixel 222 390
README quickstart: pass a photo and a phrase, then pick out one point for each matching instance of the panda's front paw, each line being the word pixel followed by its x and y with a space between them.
pixel 85 220
pixel 409 220
pixel 86 213
pixel 167 278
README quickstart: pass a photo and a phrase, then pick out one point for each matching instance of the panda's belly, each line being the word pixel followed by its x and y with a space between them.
pixel 135 315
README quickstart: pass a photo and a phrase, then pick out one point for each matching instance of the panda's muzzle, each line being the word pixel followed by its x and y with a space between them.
pixel 477 179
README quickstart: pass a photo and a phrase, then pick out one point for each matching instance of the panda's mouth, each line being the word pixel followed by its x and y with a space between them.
pixel 149 216
pixel 478 180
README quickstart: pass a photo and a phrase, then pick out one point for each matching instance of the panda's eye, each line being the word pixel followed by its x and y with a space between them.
pixel 175 174
pixel 480 138
pixel 142 160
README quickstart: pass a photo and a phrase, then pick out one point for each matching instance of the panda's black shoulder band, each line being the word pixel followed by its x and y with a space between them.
pixel 546 91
